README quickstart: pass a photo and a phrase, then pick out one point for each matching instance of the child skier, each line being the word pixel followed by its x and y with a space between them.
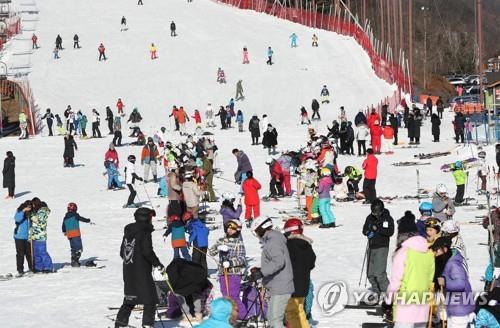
pixel 239 120
pixel 324 187
pixel 425 209
pixel 221 76
pixel 152 51
pixel 251 189
pixel 178 230
pixel 309 179
pixel 270 53
pixel 113 174
pixel 245 56
pixel 197 118
pixel 293 40
pixel 130 177
pixel 304 117
pixel 324 95
pixel 71 229
pixel 232 263
pixel 460 175
pixel 120 105
pixel 198 238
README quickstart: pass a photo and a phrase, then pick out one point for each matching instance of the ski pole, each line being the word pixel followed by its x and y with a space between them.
pixel 443 309
pixel 363 265
pixel 226 279
pixel 224 179
pixel 147 195
pixel 165 276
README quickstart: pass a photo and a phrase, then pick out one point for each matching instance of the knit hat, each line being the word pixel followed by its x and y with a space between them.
pixel 407 223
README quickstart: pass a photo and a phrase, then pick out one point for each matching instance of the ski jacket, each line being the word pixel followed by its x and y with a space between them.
pixel 251 189
pixel 111 170
pixel 388 132
pixel 220 314
pixel 276 266
pixel 182 116
pixel 363 133
pixel 355 174
pixel 22 222
pixel 457 287
pixel 119 105
pixel 270 52
pixel 152 49
pixel 113 156
pixel 71 224
pixel 370 166
pixel 244 164
pixel 69 147
pixel 436 122
pixel 324 92
pixel 440 206
pixel 379 230
pixel 303 261
pixel 8 172
pixel 197 117
pixel 276 171
pixel 360 118
pixel 285 162
pixel 460 176
pixel 236 255
pixel 325 184
pixel 229 214
pixel 174 187
pixel 130 173
pixel 39 224
pixel 372 118
pixel 239 118
pixel 135 117
pixel 309 180
pixel 198 233
pixel 139 259
pixel 376 132
pixel 191 193
pixel 178 231
pixel 254 127
pixel 101 49
pixel 149 154
pixel 270 138
pixel 315 105
pixel 411 275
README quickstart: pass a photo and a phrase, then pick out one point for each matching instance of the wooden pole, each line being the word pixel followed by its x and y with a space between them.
pixel 410 36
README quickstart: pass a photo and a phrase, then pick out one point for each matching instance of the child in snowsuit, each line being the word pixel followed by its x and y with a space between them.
pixel 304 117
pixel 71 229
pixel 251 189
pixel 113 174
pixel 245 56
pixel 309 179
pixel 324 187
pixel 293 40
pixel 239 120
pixel 221 76
pixel 388 133
pixel 178 230
pixel 376 136
pixel 197 118
pixel 460 175
pixel 198 238
pixel 232 264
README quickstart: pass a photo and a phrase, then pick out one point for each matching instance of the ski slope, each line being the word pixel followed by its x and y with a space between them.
pixel 209 36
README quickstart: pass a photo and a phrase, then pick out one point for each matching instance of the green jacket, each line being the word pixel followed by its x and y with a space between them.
pixel 39 224
pixel 355 173
pixel 460 176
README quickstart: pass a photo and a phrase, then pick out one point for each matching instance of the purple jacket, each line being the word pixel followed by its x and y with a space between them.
pixel 324 187
pixel 244 164
pixel 457 287
pixel 228 214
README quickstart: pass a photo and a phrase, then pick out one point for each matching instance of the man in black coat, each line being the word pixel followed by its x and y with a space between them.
pixel 9 174
pixel 315 109
pixel 378 228
pixel 139 259
pixel 254 128
pixel 110 119
pixel 393 120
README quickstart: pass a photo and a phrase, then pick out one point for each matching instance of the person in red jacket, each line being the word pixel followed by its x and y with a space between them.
pixel 251 189
pixel 112 155
pixel 370 166
pixel 102 54
pixel 120 105
pixel 388 138
pixel 374 116
pixel 376 135
pixel 275 188
pixel 197 117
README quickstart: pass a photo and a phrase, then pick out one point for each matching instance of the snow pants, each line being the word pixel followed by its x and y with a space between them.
pixel 113 181
pixel 147 167
pixel 148 315
pixel 285 183
pixel 132 194
pixel 184 251
pixel 376 270
pixel 376 145
pixel 276 310
pixel 23 250
pixel 41 258
pixel 459 196
pixel 295 314
pixel 309 202
pixel 369 189
pixel 275 188
pixel 388 145
pixel 252 211
pixel 326 211
pixel 234 282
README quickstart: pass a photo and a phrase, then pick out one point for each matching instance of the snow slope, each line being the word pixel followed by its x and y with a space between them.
pixel 210 35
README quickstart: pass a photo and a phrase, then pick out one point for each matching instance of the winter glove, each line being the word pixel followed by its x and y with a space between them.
pixel 223 248
pixel 255 274
pixel 370 235
pixel 226 264
pixel 140 179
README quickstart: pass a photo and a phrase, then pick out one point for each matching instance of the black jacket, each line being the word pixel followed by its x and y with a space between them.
pixel 270 138
pixel 436 122
pixel 394 123
pixel 315 105
pixel 303 261
pixel 8 171
pixel 360 119
pixel 139 259
pixel 383 232
pixel 411 125
pixel 186 277
pixel 109 114
pixel 254 127
pixel 69 147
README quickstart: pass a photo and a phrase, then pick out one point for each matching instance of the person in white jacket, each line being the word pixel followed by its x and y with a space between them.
pixel 191 193
pixel 209 116
pixel 96 119
pixel 130 177
pixel 264 122
pixel 362 135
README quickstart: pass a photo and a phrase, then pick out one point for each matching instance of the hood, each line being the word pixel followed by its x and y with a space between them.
pixel 416 243
pixel 221 310
pixel 300 237
pixel 133 228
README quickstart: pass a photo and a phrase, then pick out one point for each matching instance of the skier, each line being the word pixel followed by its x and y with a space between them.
pixel 198 238
pixel 376 136
pixel 152 50
pixel 315 109
pixel 42 262
pixel 182 117
pixel 177 228
pixel 270 139
pixel 50 119
pixel 83 124
pixel 119 106
pixel 362 135
pixel 245 56
pixel 109 118
pixel 34 40
pixel 9 174
pixel 191 193
pixel 130 177
pixel 123 24
pixel 239 91
pixel 254 128
pixel 174 185
pixel 135 118
pixel 324 186
pixel 114 182
pixel 232 263
pixel 325 95
pixel 304 117
pixel 388 133
pixel 172 29
pixel 270 53
pixel 461 176
pixel 23 125
pixel 149 158
pixel 276 174
pixel 276 269
pixel 308 178
pixel 303 261
pixel 354 176
pixel 251 189
pixel 59 42
pixel 21 235
pixel 209 116
pixel 138 260
pixel 71 229
pixel 76 42
pixel 197 118
pixel 96 121
pixel 69 150
pixel 436 122
pixel 374 116
pixel 314 40
pixel 370 165
pixel 117 127
pixel 221 76
pixel 222 115
pixel 443 206
pixel 293 38
pixel 102 50
pixel 239 120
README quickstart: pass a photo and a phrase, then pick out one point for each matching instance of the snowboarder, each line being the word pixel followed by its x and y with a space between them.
pixel 245 56
pixel 378 228
pixel 324 186
pixel 50 119
pixel 152 51
pixel 221 76
pixel 135 118
pixel 172 29
pixel 314 40
pixel 42 262
pixel 21 235
pixel 110 119
pixel 71 229
pixel 370 167
pixel 69 150
pixel 239 91
pixel 130 177
pixel 325 95
pixel 293 40
pixel 102 52
pixel 315 109
pixel 96 121
pixel 138 260
pixel 251 189
pixel 59 42
pixel 76 42
pixel 9 174
pixel 270 53
pixel 123 24
pixel 254 128
pixel 119 106
pixel 149 158
pixel 34 40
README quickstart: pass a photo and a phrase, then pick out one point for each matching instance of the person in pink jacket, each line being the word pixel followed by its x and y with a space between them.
pixel 411 279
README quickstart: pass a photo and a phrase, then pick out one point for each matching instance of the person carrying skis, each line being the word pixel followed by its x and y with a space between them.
pixel 370 165
pixel 378 228
pixel 139 259
pixel 34 40
pixel 354 177
pixel 71 229
pixel 119 106
pixel 315 109
pixel 270 53
pixel 152 51
pixel 130 177
pixel 460 174
pixel 324 186
pixel 303 261
pixel 245 56
pixel 254 128
pixel 276 269
pixel 251 189
pixel 314 40
pixel 76 42
pixel 198 238
pixel 173 27
pixel 293 40
pixel 21 237
pixel 221 76
pixel 232 263
pixel 123 24
pixel 324 95
pixel 239 91
pixel 102 52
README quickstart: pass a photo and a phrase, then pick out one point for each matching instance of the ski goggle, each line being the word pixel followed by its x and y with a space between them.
pixel 233 225
pixel 432 222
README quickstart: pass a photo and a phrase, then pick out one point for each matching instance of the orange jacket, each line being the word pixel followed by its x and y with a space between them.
pixel 146 154
pixel 388 132
pixel 182 116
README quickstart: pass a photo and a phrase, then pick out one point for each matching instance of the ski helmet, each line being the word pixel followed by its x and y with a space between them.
pixel 433 223
pixel 325 171
pixel 233 224
pixel 377 207
pixel 131 158
pixel 481 154
pixel 450 226
pixel 144 214
pixel 187 216
pixel 458 164
pixel 348 170
pixel 293 226
pixel 262 222
pixel 425 208
pixel 269 160
pixel 441 189
pixel 72 207
pixel 228 196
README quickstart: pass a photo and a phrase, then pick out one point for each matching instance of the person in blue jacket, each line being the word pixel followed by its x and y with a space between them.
pixel 222 314
pixel 239 120
pixel 21 234
pixel 113 174
pixel 198 238
pixel 71 229
pixel 293 39
pixel 270 53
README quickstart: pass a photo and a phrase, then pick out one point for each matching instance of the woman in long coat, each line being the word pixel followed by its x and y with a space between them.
pixel 69 150
pixel 9 174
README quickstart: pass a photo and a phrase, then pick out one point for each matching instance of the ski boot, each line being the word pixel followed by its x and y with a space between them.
pixel 75 259
pixel 249 223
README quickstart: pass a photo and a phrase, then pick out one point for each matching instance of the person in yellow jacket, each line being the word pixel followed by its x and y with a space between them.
pixel 460 174
pixel 152 50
